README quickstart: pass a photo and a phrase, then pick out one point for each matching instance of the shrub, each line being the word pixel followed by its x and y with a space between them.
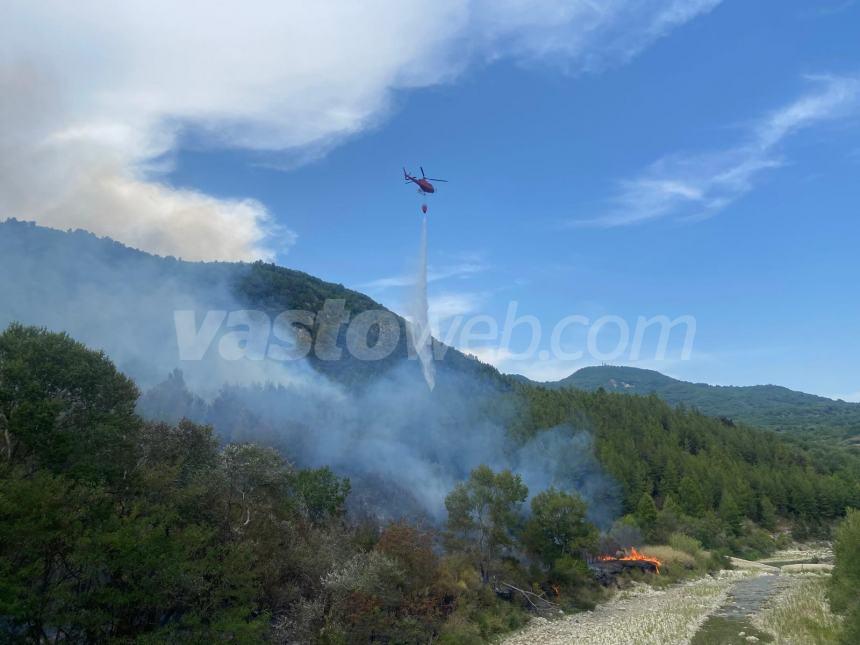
pixel 685 543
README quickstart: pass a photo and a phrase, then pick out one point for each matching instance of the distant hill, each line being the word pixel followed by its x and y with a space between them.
pixel 766 406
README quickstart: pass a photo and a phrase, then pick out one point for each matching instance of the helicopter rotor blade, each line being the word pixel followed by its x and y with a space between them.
pixel 422 172
pixel 431 179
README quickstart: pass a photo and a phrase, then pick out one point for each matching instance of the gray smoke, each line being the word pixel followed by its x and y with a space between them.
pixel 406 447
pixel 403 445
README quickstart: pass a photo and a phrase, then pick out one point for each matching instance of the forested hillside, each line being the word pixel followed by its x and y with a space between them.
pixel 712 473
pixel 765 406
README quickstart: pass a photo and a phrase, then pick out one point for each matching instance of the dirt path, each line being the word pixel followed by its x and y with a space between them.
pixel 642 615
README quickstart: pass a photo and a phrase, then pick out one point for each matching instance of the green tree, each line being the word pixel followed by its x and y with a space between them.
pixel 845 581
pixel 767 513
pixel 557 527
pixel 730 513
pixel 64 407
pixel 691 496
pixel 668 519
pixel 109 526
pixel 322 494
pixel 483 513
pixel 646 513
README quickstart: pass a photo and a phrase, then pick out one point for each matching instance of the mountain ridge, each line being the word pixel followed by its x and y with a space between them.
pixel 769 406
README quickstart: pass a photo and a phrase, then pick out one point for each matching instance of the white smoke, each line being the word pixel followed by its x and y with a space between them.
pixel 404 447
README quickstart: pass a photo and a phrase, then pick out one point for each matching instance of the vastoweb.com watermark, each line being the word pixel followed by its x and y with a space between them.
pixel 332 333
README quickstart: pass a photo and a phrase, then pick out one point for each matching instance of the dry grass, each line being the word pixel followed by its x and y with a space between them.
pixel 800 614
pixel 813 551
pixel 807 568
pixel 669 555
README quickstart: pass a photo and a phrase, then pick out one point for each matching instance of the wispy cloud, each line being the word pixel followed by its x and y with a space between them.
pixel 433 275
pixel 445 306
pixel 700 185
pixel 579 35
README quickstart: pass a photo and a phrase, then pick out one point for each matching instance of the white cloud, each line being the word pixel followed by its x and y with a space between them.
pixel 443 307
pixel 700 185
pixel 98 94
pixel 582 35
pixel 492 355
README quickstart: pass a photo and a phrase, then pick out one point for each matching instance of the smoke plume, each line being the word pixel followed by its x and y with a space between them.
pixel 404 446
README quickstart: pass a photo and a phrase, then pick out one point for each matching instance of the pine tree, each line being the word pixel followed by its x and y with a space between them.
pixel 730 513
pixel 646 513
pixel 692 498
pixel 767 513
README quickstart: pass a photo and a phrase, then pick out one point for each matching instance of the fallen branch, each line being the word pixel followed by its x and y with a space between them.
pixel 528 594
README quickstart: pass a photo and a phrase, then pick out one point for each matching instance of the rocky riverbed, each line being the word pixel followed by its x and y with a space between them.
pixel 642 615
pixel 734 606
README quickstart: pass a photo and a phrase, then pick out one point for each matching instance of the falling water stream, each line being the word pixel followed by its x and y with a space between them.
pixel 420 328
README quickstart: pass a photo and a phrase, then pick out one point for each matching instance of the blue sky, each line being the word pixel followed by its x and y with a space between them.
pixel 529 150
pixel 706 165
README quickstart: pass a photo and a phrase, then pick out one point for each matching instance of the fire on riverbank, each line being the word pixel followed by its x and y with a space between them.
pixel 606 566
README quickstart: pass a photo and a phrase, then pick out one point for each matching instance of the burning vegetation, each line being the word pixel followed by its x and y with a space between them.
pixel 607 567
pixel 649 563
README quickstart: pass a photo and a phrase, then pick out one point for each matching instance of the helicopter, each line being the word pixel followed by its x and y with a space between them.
pixel 423 182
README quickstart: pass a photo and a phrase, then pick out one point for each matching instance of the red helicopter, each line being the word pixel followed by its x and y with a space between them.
pixel 423 182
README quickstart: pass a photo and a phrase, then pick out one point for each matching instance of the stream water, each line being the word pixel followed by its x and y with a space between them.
pixel 731 623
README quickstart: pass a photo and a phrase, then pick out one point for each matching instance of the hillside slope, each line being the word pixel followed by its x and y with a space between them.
pixel 766 406
pixel 123 301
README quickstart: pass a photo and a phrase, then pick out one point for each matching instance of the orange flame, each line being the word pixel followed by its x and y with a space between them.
pixel 634 555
